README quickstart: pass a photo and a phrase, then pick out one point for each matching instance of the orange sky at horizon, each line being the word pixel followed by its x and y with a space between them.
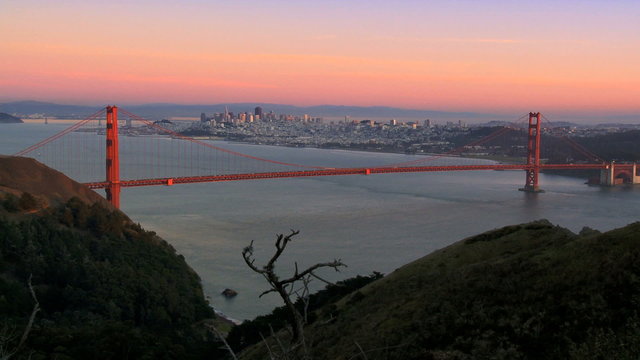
pixel 466 58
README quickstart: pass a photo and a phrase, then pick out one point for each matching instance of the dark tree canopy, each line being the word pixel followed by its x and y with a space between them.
pixel 107 288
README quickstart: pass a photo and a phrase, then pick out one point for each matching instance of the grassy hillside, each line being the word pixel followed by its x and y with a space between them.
pixel 107 289
pixel 50 187
pixel 532 291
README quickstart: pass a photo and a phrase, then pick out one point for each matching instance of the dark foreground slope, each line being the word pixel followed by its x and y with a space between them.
pixel 107 288
pixel 533 291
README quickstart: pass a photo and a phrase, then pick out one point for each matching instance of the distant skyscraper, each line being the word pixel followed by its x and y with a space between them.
pixel 203 117
pixel 258 111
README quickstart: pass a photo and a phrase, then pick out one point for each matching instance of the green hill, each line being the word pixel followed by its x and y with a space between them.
pixel 107 289
pixel 531 291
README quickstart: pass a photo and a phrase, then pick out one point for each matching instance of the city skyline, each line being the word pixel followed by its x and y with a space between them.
pixel 493 56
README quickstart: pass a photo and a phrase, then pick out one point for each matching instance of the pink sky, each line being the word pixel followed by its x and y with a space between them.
pixel 501 56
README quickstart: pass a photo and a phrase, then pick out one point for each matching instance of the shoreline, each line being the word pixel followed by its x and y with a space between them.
pixel 496 158
pixel 226 318
pixel 509 160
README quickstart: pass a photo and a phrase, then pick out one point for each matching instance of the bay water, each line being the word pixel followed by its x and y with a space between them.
pixel 372 223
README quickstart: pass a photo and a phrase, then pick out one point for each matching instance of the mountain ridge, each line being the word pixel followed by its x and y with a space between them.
pixel 158 111
pixel 162 110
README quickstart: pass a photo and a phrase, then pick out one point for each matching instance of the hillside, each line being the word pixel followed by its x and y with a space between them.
pixel 51 187
pixel 164 110
pixel 531 291
pixel 9 119
pixel 624 146
pixel 107 289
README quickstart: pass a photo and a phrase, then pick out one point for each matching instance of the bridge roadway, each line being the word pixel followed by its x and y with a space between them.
pixel 337 172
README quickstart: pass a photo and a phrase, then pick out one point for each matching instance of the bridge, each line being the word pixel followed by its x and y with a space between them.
pixel 153 160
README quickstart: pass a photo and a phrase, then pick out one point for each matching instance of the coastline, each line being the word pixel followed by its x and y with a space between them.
pixel 509 160
pixel 496 158
pixel 226 318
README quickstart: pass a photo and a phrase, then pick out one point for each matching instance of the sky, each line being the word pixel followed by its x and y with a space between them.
pixel 489 56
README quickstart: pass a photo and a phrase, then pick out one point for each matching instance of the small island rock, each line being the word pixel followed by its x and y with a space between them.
pixel 229 293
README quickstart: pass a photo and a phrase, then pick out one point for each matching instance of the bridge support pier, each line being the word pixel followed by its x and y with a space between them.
pixel 607 177
pixel 616 174
pixel 533 155
pixel 113 160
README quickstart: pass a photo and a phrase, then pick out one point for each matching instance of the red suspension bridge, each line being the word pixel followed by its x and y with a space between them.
pixel 159 155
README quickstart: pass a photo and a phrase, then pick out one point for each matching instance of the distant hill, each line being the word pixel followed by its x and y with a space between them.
pixel 107 289
pixel 24 108
pixel 9 119
pixel 164 110
pixel 510 123
pixel 622 146
pixel 158 111
pixel 531 291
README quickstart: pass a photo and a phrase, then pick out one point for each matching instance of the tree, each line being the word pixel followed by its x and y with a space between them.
pixel 10 202
pixel 27 201
pixel 286 287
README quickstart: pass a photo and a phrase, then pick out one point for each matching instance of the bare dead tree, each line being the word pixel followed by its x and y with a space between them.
pixel 6 337
pixel 304 295
pixel 285 287
pixel 222 338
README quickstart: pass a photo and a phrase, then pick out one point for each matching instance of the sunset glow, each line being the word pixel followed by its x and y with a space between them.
pixel 443 55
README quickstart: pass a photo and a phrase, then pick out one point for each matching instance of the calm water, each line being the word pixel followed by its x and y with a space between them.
pixel 372 223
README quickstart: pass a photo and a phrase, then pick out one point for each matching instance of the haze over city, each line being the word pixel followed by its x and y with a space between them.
pixel 488 56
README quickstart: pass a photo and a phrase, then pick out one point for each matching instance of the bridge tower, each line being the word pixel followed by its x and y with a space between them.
pixel 113 160
pixel 533 154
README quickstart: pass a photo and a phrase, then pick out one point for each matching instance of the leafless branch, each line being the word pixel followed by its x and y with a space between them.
pixel 321 279
pixel 266 343
pixel 284 350
pixel 224 341
pixel 281 244
pixel 328 321
pixel 247 255
pixel 266 292
pixel 6 354
pixel 7 336
pixel 336 264
pixel 286 288
pixel 305 298
pixel 36 308
pixel 361 351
